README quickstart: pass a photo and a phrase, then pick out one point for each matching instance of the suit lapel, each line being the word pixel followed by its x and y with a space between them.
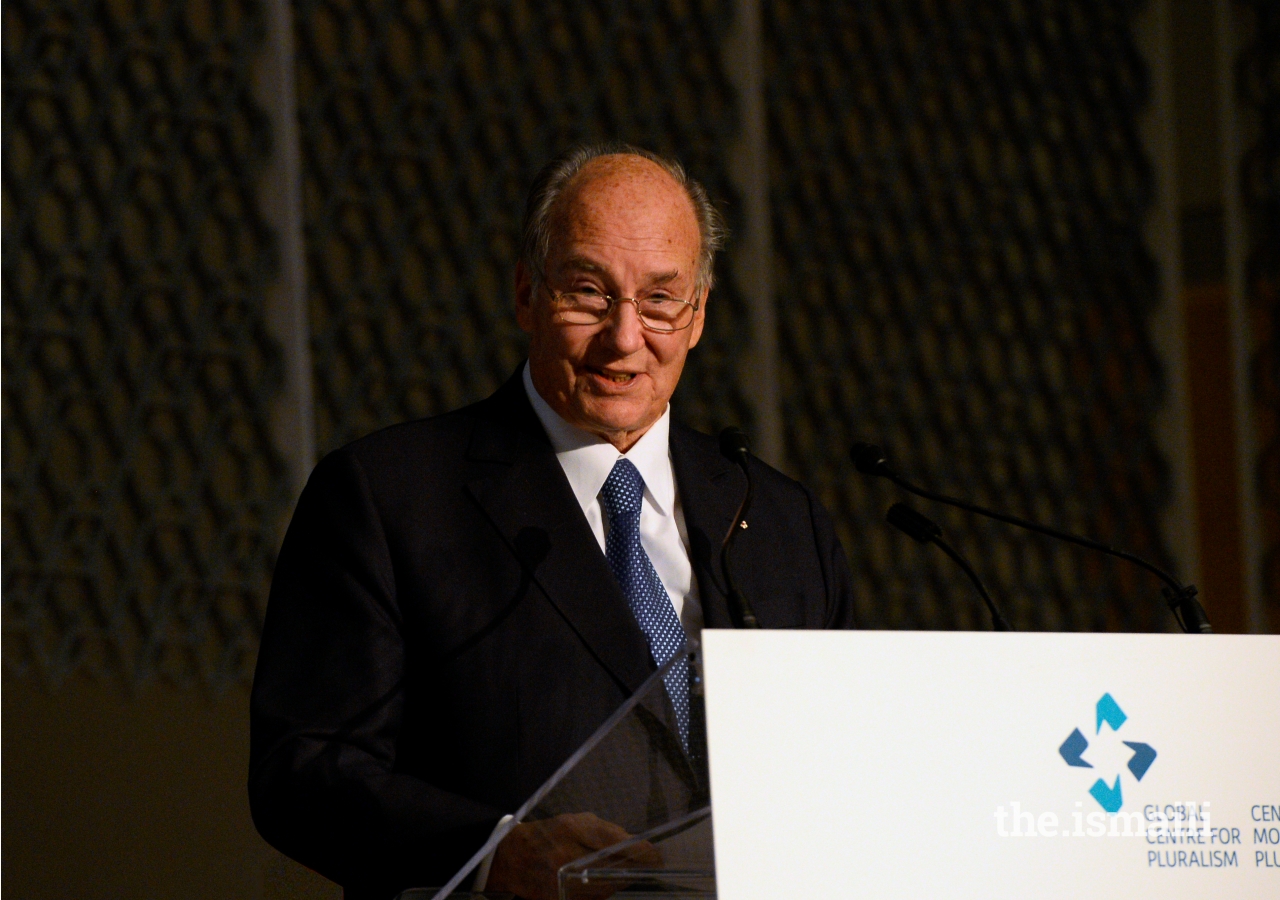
pixel 529 501
pixel 710 490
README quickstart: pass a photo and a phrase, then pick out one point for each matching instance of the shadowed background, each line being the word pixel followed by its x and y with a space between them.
pixel 1029 247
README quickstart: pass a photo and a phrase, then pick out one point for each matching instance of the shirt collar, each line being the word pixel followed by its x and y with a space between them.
pixel 587 459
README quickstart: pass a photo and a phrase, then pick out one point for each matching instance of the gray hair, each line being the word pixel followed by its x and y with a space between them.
pixel 535 238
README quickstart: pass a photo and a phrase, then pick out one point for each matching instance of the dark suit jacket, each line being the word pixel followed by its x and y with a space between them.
pixel 443 632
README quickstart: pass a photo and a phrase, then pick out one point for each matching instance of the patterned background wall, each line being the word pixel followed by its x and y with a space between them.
pixel 957 193
pixel 143 500
pixel 423 125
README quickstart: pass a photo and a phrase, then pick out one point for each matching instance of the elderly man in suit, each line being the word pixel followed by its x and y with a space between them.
pixel 461 601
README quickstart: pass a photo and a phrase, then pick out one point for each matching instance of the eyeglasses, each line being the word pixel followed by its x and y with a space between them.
pixel 658 312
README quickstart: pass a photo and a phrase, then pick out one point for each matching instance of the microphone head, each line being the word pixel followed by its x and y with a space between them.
pixel 733 444
pixel 912 523
pixel 868 459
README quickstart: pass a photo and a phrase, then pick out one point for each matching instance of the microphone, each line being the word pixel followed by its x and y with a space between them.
pixel 1190 615
pixel 733 446
pixel 926 531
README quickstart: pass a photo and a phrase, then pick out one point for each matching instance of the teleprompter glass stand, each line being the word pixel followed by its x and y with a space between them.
pixel 671 861
pixel 635 773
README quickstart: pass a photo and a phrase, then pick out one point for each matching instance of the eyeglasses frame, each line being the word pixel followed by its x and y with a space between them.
pixel 613 302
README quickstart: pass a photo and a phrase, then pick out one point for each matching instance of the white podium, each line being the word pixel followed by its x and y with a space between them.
pixel 912 764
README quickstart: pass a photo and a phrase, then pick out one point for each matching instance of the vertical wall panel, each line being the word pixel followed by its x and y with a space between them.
pixel 142 496
pixel 959 194
pixel 1258 75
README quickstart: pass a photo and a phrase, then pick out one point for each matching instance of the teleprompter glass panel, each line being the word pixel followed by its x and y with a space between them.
pixel 674 860
pixel 637 773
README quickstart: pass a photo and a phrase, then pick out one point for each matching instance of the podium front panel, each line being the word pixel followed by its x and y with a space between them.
pixel 913 764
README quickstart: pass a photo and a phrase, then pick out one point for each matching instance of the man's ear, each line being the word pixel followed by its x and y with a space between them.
pixel 699 319
pixel 524 297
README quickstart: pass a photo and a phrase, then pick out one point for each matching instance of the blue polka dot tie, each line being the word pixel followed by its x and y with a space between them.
pixel 650 603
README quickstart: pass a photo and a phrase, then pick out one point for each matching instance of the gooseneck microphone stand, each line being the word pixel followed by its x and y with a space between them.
pixel 926 531
pixel 869 460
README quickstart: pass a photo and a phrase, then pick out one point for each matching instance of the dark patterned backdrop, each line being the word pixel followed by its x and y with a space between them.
pixel 423 125
pixel 957 192
pixel 142 498
pixel 143 503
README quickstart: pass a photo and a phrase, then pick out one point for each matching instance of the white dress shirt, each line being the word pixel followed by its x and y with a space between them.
pixel 587 461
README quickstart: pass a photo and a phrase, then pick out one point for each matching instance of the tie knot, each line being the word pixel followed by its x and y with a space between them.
pixel 623 490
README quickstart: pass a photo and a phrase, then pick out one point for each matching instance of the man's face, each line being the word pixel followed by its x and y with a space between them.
pixel 622 227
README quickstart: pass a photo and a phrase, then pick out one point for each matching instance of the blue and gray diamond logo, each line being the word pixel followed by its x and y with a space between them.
pixel 1109 796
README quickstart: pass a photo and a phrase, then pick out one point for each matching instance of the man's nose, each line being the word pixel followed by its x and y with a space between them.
pixel 622 330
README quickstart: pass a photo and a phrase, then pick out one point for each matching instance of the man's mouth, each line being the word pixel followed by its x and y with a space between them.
pixel 615 377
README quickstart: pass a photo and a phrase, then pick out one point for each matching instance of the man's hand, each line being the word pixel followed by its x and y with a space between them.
pixel 527 860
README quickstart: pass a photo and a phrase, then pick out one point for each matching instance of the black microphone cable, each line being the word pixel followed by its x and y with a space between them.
pixel 734 447
pixel 916 525
pixel 1190 615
